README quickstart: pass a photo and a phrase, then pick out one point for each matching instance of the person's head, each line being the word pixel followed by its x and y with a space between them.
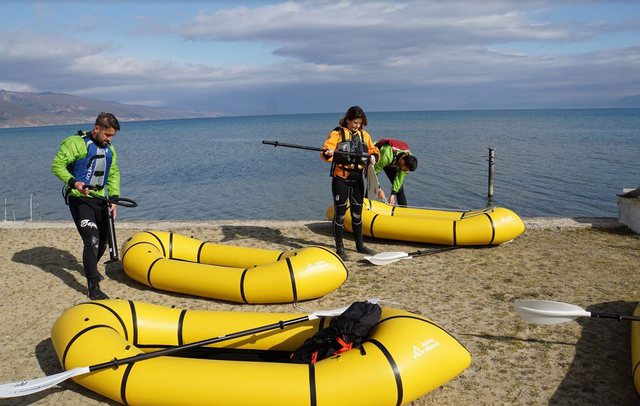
pixel 354 119
pixel 105 128
pixel 408 163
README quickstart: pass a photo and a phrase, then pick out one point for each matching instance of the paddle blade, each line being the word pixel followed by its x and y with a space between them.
pixel 385 258
pixel 23 388
pixel 548 312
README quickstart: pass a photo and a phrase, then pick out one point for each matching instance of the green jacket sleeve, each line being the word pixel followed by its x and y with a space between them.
pixel 386 157
pixel 70 150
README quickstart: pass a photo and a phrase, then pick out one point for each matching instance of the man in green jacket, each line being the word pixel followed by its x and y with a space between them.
pixel 87 162
pixel 396 160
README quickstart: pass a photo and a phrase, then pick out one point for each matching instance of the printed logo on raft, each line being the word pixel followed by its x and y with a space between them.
pixel 420 349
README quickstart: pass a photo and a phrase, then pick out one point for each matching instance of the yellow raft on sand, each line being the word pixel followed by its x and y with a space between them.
pixel 177 263
pixel 404 357
pixel 635 350
pixel 473 227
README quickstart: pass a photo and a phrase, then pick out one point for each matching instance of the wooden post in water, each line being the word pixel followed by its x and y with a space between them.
pixel 492 163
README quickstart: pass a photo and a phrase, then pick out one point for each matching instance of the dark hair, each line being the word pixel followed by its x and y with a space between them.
pixel 410 161
pixel 353 113
pixel 107 120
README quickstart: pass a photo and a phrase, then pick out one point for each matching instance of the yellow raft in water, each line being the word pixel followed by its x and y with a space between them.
pixel 473 227
pixel 635 350
pixel 177 263
pixel 405 357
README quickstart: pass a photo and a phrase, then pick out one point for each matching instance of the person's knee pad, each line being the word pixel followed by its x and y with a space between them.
pixel 94 245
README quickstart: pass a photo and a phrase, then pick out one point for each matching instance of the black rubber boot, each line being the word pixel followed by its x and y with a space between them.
pixel 357 231
pixel 337 235
pixel 94 290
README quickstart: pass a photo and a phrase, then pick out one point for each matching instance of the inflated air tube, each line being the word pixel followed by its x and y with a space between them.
pixel 489 226
pixel 176 263
pixel 404 357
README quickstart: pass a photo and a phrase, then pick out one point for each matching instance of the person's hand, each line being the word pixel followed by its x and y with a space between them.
pixel 381 194
pixel 328 152
pixel 80 186
pixel 113 208
pixel 372 159
pixel 392 200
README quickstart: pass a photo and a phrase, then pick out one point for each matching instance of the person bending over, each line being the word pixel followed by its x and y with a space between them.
pixel 396 160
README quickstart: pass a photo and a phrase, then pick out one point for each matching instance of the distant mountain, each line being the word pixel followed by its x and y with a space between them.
pixel 23 109
pixel 629 102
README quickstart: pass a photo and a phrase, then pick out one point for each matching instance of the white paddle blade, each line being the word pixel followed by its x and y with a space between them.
pixel 23 388
pixel 384 258
pixel 548 312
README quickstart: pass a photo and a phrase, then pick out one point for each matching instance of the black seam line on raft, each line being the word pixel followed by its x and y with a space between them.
pixel 493 228
pixel 244 298
pixel 636 368
pixel 115 314
pixel 200 251
pixel 183 313
pixel 455 232
pixel 138 243
pixel 346 271
pixel 313 397
pixel 134 321
pixel 78 335
pixel 393 211
pixel 164 251
pixel 394 367
pixel 123 383
pixel 149 270
pixel 408 316
pixel 373 220
pixel 292 276
pixel 280 256
pixel 170 245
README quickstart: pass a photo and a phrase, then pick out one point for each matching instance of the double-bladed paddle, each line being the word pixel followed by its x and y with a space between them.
pixel 23 388
pixel 385 258
pixel 550 312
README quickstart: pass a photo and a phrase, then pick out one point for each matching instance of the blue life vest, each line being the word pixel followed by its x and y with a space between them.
pixel 93 169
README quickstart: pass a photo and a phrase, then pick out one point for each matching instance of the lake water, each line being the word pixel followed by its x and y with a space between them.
pixel 547 163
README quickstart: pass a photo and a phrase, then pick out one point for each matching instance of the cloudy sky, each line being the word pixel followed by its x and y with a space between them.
pixel 273 57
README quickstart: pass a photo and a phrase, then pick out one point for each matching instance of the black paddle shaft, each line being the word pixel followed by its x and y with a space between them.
pixel 618 317
pixel 283 144
pixel 432 252
pixel 168 351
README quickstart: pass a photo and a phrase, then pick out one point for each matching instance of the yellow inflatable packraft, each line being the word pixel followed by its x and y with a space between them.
pixel 404 357
pixel 635 350
pixel 177 263
pixel 489 226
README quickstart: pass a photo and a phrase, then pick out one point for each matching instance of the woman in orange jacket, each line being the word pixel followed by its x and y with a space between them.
pixel 349 148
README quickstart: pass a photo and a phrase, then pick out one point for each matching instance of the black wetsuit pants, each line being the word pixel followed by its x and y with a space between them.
pixel 401 199
pixel 352 190
pixel 90 216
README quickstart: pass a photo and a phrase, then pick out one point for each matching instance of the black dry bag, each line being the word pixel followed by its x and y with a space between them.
pixel 345 331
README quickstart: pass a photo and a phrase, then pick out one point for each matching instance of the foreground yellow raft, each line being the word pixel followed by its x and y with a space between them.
pixel 635 350
pixel 177 263
pixel 405 357
pixel 474 227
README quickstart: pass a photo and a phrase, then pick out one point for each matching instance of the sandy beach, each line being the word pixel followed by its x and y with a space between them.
pixel 590 262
